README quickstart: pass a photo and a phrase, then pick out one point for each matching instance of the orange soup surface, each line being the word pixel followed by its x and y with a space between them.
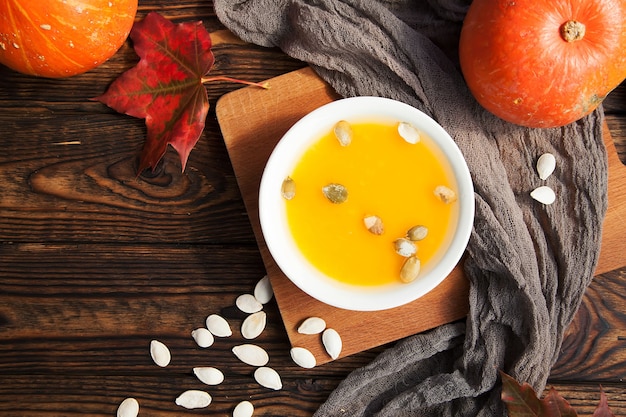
pixel 384 176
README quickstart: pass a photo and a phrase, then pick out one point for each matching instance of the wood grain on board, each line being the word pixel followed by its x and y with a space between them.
pixel 253 120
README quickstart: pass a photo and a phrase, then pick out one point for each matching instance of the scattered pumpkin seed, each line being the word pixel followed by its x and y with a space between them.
pixel 544 195
pixel 546 165
pixel 253 325
pixel 408 132
pixel 404 247
pixel 194 399
pixel 160 353
pixel 263 291
pixel 332 342
pixel 218 326
pixel 268 378
pixel 312 325
pixel 445 194
pixel 248 303
pixel 243 409
pixel 203 337
pixel 252 355
pixel 374 224
pixel 128 408
pixel 410 269
pixel 303 357
pixel 288 188
pixel 335 193
pixel 343 132
pixel 209 375
pixel 417 233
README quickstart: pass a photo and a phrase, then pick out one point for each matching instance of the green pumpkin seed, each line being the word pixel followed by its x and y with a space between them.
pixel 335 193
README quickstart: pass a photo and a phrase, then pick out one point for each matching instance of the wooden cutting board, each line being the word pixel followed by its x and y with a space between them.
pixel 252 121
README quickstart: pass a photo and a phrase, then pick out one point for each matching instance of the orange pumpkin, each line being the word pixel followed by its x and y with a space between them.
pixel 543 63
pixel 60 38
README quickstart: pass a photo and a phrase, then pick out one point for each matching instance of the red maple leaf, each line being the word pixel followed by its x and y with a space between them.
pixel 166 86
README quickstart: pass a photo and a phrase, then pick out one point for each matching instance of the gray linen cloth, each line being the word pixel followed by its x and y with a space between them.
pixel 528 264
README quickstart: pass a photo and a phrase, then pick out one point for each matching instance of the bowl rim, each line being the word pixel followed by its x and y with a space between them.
pixel 277 235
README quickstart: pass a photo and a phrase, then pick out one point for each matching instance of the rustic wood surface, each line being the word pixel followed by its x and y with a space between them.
pixel 95 263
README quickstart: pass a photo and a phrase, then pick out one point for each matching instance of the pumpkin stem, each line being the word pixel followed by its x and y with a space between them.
pixel 572 31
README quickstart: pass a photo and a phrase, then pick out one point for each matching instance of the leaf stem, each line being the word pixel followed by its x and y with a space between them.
pixel 204 80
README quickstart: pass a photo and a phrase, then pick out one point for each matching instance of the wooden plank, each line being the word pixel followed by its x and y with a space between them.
pixel 73 395
pixel 250 140
pixel 80 185
pixel 594 345
pixel 60 291
pixel 617 126
pixel 612 253
pixel 46 395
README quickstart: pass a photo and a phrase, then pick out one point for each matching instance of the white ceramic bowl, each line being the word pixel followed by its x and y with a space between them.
pixel 284 250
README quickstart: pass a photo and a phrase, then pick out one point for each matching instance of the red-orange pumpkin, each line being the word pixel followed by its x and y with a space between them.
pixel 60 38
pixel 543 63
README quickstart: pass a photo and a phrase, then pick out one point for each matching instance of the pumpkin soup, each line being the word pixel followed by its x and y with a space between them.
pixel 370 201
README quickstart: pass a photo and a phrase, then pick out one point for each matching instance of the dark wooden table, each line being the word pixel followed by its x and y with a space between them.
pixel 95 263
